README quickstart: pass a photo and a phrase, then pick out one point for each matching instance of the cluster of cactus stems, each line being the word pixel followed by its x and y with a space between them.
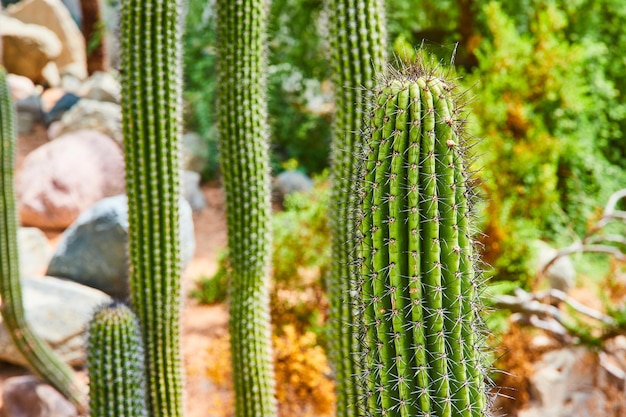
pixel 421 329
pixel 151 117
pixel 41 358
pixel 244 157
pixel 357 50
pixel 115 362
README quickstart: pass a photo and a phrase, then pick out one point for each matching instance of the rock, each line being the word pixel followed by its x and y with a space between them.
pixel 59 311
pixel 93 115
pixel 28 396
pixel 288 182
pixel 62 106
pixel 27 49
pixel 53 15
pixel 29 112
pixel 101 86
pixel 565 385
pixel 62 178
pixel 93 251
pixel 50 75
pixel 194 152
pixel 34 251
pixel 561 274
pixel 191 190
pixel 21 87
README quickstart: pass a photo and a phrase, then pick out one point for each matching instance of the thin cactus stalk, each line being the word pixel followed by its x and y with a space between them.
pixel 40 357
pixel 151 116
pixel 115 363
pixel 421 331
pixel 357 44
pixel 243 141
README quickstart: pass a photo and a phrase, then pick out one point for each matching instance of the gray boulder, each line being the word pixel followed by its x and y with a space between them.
pixel 194 151
pixel 190 184
pixel 93 251
pixel 288 182
pixel 58 311
pixel 27 396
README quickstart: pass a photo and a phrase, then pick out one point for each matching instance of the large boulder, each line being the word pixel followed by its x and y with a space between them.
pixel 95 115
pixel 58 311
pixel 53 15
pixel 62 178
pixel 27 49
pixel 561 274
pixel 93 251
pixel 28 396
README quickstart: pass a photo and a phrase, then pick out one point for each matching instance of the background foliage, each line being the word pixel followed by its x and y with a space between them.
pixel 544 81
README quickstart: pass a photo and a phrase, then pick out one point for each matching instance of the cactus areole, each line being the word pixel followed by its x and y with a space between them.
pixel 421 329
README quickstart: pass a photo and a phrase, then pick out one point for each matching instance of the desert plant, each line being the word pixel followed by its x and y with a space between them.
pixel 242 135
pixel 41 359
pixel 115 363
pixel 151 106
pixel 421 328
pixel 357 41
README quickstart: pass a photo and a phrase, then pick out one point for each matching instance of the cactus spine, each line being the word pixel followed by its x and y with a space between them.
pixel 357 40
pixel 151 113
pixel 41 359
pixel 115 363
pixel 242 122
pixel 417 280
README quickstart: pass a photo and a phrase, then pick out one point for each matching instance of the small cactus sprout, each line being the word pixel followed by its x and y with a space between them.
pixel 421 328
pixel 356 36
pixel 41 359
pixel 115 363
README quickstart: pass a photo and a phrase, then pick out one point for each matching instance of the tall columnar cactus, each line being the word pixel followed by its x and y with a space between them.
pixel 115 363
pixel 151 115
pixel 242 62
pixel 41 359
pixel 421 329
pixel 357 40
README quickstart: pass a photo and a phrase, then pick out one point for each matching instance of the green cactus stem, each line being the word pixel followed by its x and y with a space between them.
pixel 242 129
pixel 421 329
pixel 357 44
pixel 115 363
pixel 151 118
pixel 41 359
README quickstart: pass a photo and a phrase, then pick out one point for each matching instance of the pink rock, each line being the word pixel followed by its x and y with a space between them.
pixel 26 396
pixel 62 178
pixel 20 86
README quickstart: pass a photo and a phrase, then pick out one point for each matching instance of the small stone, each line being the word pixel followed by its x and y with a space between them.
pixel 33 250
pixel 27 396
pixel 21 87
pixel 101 86
pixel 100 116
